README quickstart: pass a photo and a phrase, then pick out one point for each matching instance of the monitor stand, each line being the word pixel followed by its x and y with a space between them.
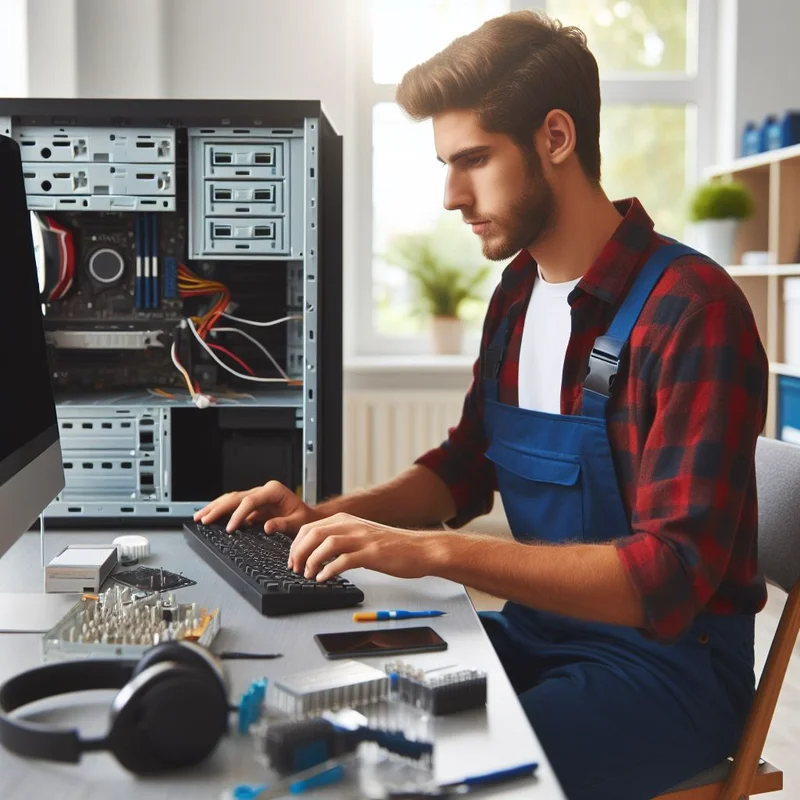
pixel 34 612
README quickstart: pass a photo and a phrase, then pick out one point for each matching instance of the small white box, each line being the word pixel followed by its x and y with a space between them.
pixel 80 568
pixel 791 321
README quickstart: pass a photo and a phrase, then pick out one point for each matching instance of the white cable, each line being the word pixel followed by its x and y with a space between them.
pixel 256 343
pixel 174 355
pixel 261 324
pixel 224 365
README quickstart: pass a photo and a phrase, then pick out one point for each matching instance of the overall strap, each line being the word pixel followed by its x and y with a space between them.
pixel 496 351
pixel 608 348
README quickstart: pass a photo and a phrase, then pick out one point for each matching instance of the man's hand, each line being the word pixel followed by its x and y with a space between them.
pixel 279 508
pixel 347 542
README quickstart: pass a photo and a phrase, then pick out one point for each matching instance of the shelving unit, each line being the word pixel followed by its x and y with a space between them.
pixel 773 178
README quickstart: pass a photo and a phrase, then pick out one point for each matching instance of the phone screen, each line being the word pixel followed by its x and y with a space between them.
pixel 377 642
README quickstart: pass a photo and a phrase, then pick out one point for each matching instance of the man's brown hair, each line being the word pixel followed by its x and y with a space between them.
pixel 512 71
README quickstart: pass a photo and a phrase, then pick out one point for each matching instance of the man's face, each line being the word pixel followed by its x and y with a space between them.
pixel 500 190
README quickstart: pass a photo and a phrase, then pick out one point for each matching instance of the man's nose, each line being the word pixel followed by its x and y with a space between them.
pixel 456 193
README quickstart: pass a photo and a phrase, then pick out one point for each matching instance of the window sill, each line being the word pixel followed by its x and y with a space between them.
pixel 424 362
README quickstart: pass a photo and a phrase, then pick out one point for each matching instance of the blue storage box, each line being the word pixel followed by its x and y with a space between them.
pixel 789 409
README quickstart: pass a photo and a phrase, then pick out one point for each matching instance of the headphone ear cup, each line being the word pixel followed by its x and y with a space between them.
pixel 168 717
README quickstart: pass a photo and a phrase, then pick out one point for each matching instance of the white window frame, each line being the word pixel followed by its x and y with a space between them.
pixel 694 89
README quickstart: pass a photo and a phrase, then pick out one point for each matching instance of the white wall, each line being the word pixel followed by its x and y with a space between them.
pixel 271 49
pixel 120 48
pixel 13 48
pixel 255 49
pixel 52 48
pixel 759 65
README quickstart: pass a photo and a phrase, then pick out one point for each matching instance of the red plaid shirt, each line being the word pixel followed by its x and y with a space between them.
pixel 689 402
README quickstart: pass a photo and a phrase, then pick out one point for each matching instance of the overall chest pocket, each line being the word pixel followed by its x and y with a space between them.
pixel 542 494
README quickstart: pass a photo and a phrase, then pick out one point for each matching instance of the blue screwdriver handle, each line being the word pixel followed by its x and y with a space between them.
pixel 326 778
pixel 501 775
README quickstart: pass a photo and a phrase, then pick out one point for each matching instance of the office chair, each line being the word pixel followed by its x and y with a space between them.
pixel 778 479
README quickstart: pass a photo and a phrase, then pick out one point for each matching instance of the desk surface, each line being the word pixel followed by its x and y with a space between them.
pixel 468 743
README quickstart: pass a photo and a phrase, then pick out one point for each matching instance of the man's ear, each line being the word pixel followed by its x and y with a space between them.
pixel 557 137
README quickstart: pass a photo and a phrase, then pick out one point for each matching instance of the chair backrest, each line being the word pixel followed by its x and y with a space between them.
pixel 778 479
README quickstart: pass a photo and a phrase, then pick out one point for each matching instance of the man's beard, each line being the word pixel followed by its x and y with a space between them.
pixel 531 216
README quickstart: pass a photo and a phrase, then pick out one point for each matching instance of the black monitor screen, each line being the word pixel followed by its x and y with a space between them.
pixel 27 411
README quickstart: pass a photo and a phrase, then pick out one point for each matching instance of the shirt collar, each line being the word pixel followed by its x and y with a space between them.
pixel 611 272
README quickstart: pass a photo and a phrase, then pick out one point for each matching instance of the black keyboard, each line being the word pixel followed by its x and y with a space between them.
pixel 255 565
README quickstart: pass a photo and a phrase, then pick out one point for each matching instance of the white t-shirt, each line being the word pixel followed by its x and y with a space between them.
pixel 545 336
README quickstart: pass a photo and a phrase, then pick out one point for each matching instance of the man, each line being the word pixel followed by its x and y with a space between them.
pixel 632 583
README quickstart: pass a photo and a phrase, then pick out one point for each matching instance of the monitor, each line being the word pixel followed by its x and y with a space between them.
pixel 31 472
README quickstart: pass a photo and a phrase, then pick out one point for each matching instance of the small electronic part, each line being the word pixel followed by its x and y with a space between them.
pixel 344 685
pixel 104 339
pixel 170 278
pixel 131 549
pixel 120 623
pixel 301 744
pixel 152 579
pixel 251 704
pixel 80 568
pixel 445 690
pixel 106 266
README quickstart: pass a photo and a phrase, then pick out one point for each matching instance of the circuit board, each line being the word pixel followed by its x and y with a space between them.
pixel 101 338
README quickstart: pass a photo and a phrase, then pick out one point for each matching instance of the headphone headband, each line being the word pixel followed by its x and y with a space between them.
pixel 55 743
pixel 170 710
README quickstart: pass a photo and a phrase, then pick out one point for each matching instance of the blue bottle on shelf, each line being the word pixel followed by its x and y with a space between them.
pixel 790 129
pixel 750 139
pixel 767 132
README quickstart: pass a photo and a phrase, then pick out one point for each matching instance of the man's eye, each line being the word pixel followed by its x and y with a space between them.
pixel 476 161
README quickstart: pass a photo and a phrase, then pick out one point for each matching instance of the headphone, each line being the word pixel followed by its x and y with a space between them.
pixel 170 712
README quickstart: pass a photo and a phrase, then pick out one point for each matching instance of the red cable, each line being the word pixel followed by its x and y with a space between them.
pixel 233 356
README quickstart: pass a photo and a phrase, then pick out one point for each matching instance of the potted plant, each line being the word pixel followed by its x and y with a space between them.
pixel 717 208
pixel 442 282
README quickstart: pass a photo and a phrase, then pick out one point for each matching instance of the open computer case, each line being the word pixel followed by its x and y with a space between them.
pixel 189 256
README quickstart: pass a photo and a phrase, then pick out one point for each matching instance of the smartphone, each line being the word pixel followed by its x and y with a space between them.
pixel 380 642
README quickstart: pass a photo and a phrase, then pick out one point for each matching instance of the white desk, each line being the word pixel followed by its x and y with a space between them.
pixel 468 743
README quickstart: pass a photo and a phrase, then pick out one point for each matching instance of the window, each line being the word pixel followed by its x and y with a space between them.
pixel 656 131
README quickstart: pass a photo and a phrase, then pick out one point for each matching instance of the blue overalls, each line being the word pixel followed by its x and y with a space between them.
pixel 620 716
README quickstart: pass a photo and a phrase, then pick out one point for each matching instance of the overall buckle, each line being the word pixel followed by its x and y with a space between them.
pixel 603 365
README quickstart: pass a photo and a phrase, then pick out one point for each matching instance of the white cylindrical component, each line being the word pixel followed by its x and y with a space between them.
pixel 791 321
pixel 131 548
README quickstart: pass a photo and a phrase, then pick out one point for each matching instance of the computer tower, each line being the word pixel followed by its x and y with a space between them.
pixel 189 255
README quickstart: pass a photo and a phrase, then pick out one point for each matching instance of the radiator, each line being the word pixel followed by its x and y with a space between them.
pixel 385 430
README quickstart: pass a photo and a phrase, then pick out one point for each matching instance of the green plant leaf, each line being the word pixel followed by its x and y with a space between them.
pixel 434 260
pixel 721 200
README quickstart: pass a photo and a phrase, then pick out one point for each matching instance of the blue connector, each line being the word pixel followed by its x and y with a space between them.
pixel 170 278
pixel 251 705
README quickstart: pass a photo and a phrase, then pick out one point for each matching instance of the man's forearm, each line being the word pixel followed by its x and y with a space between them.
pixel 584 581
pixel 415 499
